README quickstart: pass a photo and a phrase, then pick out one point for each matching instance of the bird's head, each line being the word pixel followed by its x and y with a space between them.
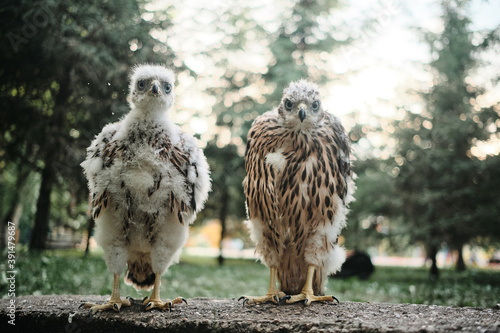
pixel 300 106
pixel 151 88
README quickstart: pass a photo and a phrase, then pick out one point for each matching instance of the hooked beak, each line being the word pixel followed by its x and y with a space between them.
pixel 302 114
pixel 156 88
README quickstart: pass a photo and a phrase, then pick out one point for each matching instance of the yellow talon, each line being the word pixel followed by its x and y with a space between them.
pixel 307 294
pixel 154 302
pixel 115 303
pixel 273 295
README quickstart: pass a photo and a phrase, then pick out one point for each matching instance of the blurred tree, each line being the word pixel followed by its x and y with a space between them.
pixel 445 188
pixel 296 47
pixel 301 44
pixel 371 215
pixel 374 205
pixel 226 199
pixel 12 202
pixel 64 75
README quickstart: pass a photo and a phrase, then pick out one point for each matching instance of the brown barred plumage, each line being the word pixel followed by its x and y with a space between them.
pixel 297 185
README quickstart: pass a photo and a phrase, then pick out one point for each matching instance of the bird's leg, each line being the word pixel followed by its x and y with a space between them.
pixel 154 302
pixel 307 293
pixel 114 303
pixel 273 295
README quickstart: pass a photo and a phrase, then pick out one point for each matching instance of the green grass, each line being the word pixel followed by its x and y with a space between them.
pixel 69 272
pixel 474 287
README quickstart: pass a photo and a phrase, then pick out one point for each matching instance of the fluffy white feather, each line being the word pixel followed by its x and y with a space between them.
pixel 148 179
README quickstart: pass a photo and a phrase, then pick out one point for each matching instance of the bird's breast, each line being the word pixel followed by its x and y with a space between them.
pixel 276 160
pixel 138 180
pixel 148 177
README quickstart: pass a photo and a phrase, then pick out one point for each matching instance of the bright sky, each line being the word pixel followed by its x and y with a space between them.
pixel 388 62
pixel 389 59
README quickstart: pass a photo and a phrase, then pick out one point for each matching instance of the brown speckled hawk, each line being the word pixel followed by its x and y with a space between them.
pixel 298 185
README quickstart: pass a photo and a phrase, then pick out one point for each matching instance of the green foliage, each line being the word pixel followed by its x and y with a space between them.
pixel 368 219
pixel 66 77
pixel 478 288
pixel 446 191
pixel 227 168
pixel 294 49
pixel 69 272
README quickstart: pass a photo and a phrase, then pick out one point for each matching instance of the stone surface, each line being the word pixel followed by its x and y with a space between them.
pixel 61 313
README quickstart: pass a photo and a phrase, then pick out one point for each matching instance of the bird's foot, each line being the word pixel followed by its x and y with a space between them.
pixel 309 297
pixel 115 305
pixel 159 304
pixel 270 297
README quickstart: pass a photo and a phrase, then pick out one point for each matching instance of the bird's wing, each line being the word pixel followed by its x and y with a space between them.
pixel 191 163
pixel 336 137
pixel 198 173
pixel 101 154
pixel 259 185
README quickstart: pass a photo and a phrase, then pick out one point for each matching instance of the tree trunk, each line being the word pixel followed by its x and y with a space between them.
pixel 460 265
pixel 223 218
pixel 89 234
pixel 15 209
pixel 41 228
pixel 90 225
pixel 52 148
pixel 5 222
pixel 13 217
pixel 14 206
pixel 432 254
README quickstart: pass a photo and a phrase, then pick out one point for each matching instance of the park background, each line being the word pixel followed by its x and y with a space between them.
pixel 416 85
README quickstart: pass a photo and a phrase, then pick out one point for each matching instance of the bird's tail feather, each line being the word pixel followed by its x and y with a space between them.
pixel 140 275
pixel 292 275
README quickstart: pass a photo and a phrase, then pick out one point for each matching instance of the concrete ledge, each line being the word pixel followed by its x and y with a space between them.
pixel 60 313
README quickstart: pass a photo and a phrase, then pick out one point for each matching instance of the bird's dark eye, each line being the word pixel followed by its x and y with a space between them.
pixel 167 87
pixel 288 104
pixel 315 106
pixel 141 85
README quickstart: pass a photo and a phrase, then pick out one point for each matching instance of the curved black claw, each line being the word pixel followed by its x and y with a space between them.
pixel 285 298
pixel 170 306
pixel 115 306
pixel 242 297
pixel 184 300
pixel 145 298
pixel 90 313
pixel 276 300
pixel 130 298
pixel 335 298
pixel 305 302
pixel 245 301
pixel 81 305
pixel 148 305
